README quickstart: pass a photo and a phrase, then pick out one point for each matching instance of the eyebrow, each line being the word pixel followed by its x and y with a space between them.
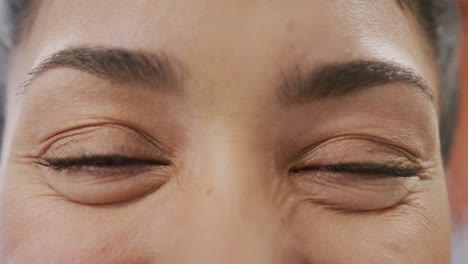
pixel 113 64
pixel 343 79
pixel 157 70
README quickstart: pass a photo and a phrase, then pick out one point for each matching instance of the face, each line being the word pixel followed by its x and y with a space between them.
pixel 222 132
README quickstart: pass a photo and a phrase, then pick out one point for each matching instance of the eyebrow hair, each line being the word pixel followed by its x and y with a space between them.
pixel 113 64
pixel 344 79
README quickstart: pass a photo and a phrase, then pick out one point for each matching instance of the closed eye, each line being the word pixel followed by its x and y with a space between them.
pixel 98 161
pixel 364 168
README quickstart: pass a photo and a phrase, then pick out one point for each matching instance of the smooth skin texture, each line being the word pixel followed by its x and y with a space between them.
pixel 209 162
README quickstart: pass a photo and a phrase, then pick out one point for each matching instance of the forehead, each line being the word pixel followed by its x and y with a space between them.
pixel 239 37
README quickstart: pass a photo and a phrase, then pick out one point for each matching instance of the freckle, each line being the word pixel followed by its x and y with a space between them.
pixel 103 249
pixel 290 26
pixel 209 191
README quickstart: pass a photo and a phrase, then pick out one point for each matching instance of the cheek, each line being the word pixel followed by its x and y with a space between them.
pixel 48 229
pixel 38 225
pixel 57 239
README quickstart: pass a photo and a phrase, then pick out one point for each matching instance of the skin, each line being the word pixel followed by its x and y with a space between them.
pixel 230 194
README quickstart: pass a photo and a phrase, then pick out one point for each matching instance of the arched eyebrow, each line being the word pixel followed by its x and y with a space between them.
pixel 115 65
pixel 343 79
pixel 159 72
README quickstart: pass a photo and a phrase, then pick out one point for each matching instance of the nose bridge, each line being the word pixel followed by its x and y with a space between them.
pixel 232 163
pixel 230 217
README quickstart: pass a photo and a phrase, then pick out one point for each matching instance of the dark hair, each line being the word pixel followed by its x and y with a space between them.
pixel 439 19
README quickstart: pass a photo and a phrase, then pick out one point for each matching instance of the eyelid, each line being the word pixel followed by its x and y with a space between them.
pixel 90 184
pixel 386 170
pixel 354 192
pixel 99 160
pixel 120 134
pixel 354 150
pixel 355 141
pixel 105 164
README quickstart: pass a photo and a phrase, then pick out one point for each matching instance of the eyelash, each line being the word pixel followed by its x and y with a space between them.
pixel 98 161
pixel 121 161
pixel 363 168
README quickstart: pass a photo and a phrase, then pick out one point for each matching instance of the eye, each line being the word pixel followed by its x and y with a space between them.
pixel 104 165
pixel 370 169
pixel 356 175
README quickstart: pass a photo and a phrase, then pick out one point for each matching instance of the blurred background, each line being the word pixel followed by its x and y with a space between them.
pixel 458 167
